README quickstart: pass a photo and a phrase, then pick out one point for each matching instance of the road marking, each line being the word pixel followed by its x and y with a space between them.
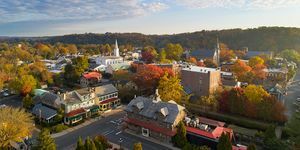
pixel 112 122
pixel 118 132
pixel 108 132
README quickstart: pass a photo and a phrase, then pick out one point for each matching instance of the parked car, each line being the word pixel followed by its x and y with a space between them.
pixel 5 94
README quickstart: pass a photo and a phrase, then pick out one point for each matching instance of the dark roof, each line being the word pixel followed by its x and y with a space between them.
pixel 250 54
pixel 45 112
pixel 49 99
pixel 202 53
pixel 149 108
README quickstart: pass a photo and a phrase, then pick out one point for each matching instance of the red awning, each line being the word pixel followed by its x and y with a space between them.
pixel 75 112
pixel 151 126
pixel 109 100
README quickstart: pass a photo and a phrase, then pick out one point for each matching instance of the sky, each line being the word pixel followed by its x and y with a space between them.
pixel 59 17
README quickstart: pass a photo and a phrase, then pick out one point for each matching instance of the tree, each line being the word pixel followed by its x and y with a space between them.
pixel 174 51
pixel 15 124
pixel 163 56
pixel 241 70
pixel 226 55
pixel 107 49
pixel 103 140
pixel 291 55
pixel 80 145
pixel 88 143
pixel 45 142
pixel 251 147
pixel 256 60
pixel 192 60
pixel 180 139
pixel 23 85
pixel 255 93
pixel 72 48
pixel 224 142
pixel 210 63
pixel 169 88
pixel 137 146
pixel 147 76
pixel 27 102
pixel 149 54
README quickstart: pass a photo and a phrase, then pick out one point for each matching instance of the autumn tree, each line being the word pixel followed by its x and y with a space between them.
pixel 15 124
pixel 147 76
pixel 255 93
pixel 210 63
pixel 192 60
pixel 241 70
pixel 224 142
pixel 45 141
pixel 27 102
pixel 174 51
pixel 23 85
pixel 107 49
pixel 72 48
pixel 163 56
pixel 74 71
pixel 169 88
pixel 103 140
pixel 226 55
pixel 137 146
pixel 149 54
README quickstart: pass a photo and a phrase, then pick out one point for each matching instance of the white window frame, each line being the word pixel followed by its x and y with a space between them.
pixel 147 132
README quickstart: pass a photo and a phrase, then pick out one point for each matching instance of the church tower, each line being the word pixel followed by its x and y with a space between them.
pixel 217 52
pixel 116 50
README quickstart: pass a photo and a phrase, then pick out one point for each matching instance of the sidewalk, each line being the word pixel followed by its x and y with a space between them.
pixel 152 140
pixel 87 122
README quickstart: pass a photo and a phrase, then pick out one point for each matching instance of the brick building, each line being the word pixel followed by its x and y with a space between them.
pixel 201 81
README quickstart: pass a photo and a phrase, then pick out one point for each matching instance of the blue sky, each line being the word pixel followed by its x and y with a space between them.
pixel 58 17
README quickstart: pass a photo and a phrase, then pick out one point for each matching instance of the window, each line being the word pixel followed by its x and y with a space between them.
pixel 145 132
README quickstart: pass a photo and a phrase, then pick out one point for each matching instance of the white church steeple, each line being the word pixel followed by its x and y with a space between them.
pixel 116 50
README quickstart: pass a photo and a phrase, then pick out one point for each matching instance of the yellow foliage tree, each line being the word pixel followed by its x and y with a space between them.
pixel 255 93
pixel 15 124
pixel 169 88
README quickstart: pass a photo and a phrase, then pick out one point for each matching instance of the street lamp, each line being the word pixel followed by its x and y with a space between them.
pixel 120 140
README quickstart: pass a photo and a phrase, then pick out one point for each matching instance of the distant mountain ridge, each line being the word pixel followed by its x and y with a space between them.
pixel 260 39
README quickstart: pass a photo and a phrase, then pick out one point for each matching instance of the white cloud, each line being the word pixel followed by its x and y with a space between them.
pixel 31 10
pixel 247 4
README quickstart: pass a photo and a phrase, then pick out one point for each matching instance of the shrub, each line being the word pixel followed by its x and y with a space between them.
pixel 59 128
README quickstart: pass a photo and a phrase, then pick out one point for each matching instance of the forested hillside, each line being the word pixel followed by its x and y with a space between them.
pixel 263 38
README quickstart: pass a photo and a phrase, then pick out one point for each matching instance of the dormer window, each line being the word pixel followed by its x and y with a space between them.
pixel 139 105
pixel 164 111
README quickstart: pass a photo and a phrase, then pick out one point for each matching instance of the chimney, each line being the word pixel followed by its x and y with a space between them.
pixel 64 96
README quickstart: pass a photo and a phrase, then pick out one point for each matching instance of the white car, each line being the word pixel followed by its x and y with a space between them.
pixel 5 94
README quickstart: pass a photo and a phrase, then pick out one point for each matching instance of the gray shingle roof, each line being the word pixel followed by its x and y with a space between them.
pixel 105 89
pixel 49 99
pixel 152 108
pixel 45 112
pixel 203 53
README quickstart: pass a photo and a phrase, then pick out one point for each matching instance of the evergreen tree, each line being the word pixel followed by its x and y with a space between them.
pixel 180 139
pixel 98 144
pixel 88 144
pixel 138 146
pixel 80 145
pixel 224 142
pixel 45 142
pixel 27 102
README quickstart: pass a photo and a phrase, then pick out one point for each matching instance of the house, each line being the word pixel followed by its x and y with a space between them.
pixel 115 67
pixel 277 91
pixel 151 117
pixel 276 74
pixel 201 81
pixel 79 104
pixel 250 54
pixel 90 78
pixel 107 97
pixel 203 131
pixel 46 106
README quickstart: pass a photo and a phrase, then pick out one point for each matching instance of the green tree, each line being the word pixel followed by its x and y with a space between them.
pixel 174 51
pixel 15 124
pixel 24 84
pixel 180 139
pixel 27 102
pixel 163 56
pixel 291 55
pixel 251 147
pixel 102 139
pixel 170 88
pixel 80 145
pixel 137 146
pixel 224 142
pixel 45 142
pixel 88 143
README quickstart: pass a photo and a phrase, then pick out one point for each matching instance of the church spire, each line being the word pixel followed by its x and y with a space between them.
pixel 116 50
pixel 218 52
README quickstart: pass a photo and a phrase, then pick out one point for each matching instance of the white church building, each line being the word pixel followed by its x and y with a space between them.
pixel 108 60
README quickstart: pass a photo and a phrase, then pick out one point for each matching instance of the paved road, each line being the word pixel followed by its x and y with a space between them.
pixel 293 93
pixel 13 100
pixel 108 127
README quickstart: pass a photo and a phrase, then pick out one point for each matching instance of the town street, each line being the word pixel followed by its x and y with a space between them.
pixel 109 127
pixel 293 92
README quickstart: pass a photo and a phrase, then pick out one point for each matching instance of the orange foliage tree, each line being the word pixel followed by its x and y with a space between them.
pixel 241 70
pixel 147 76
pixel 226 55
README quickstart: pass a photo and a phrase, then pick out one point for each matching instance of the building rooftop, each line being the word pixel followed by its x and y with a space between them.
pixel 105 89
pixel 44 111
pixel 91 75
pixel 149 108
pixel 200 69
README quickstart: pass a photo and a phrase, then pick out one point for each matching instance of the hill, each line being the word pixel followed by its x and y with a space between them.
pixel 261 39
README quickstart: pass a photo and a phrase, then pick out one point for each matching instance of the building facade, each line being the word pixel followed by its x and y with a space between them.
pixel 201 81
pixel 107 97
pixel 153 118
